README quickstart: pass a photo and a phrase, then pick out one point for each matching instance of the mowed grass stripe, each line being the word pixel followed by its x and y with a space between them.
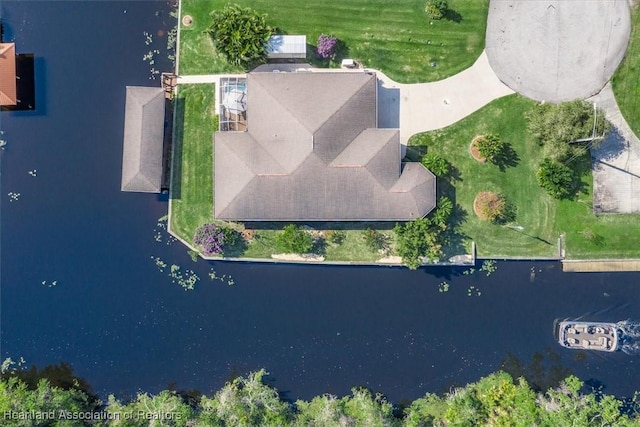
pixel 192 195
pixel 391 36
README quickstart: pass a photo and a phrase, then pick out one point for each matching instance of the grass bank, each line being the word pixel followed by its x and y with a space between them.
pixel 394 36
pixel 192 184
pixel 626 80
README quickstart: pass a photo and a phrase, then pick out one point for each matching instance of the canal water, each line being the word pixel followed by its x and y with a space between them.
pixel 80 280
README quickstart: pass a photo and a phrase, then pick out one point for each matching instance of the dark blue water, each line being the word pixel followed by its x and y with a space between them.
pixel 125 326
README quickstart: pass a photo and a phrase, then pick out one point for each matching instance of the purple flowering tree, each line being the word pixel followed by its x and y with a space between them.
pixel 327 46
pixel 210 238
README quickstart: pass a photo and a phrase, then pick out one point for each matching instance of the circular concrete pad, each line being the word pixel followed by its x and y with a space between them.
pixel 557 50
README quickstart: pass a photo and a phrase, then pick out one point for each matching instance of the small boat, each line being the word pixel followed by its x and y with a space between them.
pixel 588 335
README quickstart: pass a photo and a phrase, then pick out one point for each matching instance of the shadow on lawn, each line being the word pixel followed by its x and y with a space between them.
pixel 455 239
pixel 341 52
pixel 507 158
pixel 176 148
pixel 452 15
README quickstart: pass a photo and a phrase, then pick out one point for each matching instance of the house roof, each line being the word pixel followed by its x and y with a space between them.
pixel 312 152
pixel 143 139
pixel 8 74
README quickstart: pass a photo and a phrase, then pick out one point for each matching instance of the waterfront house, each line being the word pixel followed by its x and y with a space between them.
pixel 309 149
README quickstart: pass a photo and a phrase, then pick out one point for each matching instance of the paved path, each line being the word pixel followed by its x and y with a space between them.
pixel 601 265
pixel 423 107
pixel 557 50
pixel 616 162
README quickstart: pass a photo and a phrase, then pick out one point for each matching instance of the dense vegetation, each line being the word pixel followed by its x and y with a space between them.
pixel 240 34
pixel 495 400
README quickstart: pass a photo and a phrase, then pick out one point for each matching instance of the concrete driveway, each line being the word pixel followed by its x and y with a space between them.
pixel 422 107
pixel 557 50
pixel 616 162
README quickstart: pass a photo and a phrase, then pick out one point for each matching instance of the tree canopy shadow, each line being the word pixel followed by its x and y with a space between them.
pixel 452 15
pixel 543 372
pixel 507 158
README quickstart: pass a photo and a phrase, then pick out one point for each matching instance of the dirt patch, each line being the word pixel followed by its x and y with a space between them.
pixel 486 202
pixel 475 152
pixel 247 234
pixel 298 257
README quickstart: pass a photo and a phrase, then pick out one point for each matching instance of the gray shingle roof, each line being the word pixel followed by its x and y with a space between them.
pixel 143 139
pixel 312 152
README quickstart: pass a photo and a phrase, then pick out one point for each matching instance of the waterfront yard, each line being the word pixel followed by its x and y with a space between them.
pixel 394 36
pixel 626 80
pixel 539 219
pixel 192 184
pixel 192 187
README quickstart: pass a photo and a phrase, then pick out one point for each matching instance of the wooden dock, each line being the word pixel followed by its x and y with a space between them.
pixel 601 265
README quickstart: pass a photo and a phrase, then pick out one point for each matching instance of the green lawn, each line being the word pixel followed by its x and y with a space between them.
pixel 626 80
pixel 394 36
pixel 535 210
pixel 597 236
pixel 192 185
pixel 542 217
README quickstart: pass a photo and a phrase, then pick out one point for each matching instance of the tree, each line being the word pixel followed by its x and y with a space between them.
pixel 557 179
pixel 241 34
pixel 436 164
pixel 491 147
pixel 148 410
pixel 293 239
pixel 327 45
pixel 373 239
pixel 210 238
pixel 246 401
pixel 436 9
pixel 559 127
pixel 423 237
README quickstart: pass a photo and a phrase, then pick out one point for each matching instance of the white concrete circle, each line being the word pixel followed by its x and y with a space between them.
pixel 557 50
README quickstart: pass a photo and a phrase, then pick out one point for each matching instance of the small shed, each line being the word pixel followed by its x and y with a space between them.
pixel 287 47
pixel 142 165
pixel 8 95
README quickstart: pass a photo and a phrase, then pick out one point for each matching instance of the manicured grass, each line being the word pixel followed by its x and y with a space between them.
pixel 535 210
pixel 394 36
pixel 192 186
pixel 542 217
pixel 626 80
pixel 596 236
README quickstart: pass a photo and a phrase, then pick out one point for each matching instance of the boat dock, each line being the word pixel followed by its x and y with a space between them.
pixel 601 265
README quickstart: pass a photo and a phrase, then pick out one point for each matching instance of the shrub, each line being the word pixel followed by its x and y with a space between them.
pixel 490 206
pixel 293 239
pixel 240 34
pixel 490 146
pixel 210 238
pixel 424 237
pixel 436 8
pixel 556 178
pixel 327 45
pixel 555 126
pixel 436 164
pixel 374 239
pixel 335 236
